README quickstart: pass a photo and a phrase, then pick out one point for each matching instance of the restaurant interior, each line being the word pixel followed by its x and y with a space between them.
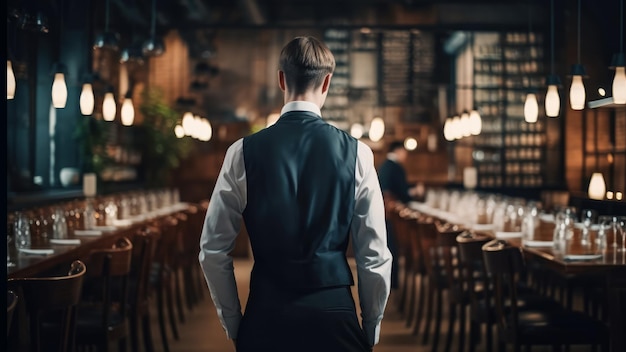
pixel 119 114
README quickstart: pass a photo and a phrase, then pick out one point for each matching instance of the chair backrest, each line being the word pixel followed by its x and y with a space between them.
pixel 505 265
pixel 109 269
pixel 11 304
pixel 447 254
pixel 52 294
pixel 142 255
pixel 472 265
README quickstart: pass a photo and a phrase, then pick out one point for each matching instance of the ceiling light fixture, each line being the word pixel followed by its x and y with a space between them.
pixel 107 39
pixel 577 89
pixel 154 46
pixel 531 107
pixel 618 63
pixel 553 101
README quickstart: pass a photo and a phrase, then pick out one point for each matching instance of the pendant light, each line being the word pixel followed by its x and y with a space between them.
pixel 476 122
pixel 128 110
pixel 59 88
pixel 108 105
pixel 553 101
pixel 107 39
pixel 466 127
pixel 87 100
pixel 187 123
pixel 577 89
pixel 531 107
pixel 154 46
pixel 618 63
pixel 377 129
pixel 10 81
pixel 597 186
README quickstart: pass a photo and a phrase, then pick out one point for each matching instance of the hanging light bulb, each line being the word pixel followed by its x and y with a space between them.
pixel 188 123
pixel 597 186
pixel 410 143
pixel 10 81
pixel 619 64
pixel 356 130
pixel 109 107
pixel 447 130
pixel 87 100
pixel 531 108
pixel 476 122
pixel 577 89
pixel 553 101
pixel 377 129
pixel 59 91
pixel 179 131
pixel 466 127
pixel 128 111
pixel 457 131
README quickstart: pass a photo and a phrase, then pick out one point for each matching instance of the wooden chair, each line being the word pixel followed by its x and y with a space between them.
pixel 102 313
pixel 50 304
pixel 138 294
pixel 533 325
pixel 189 264
pixel 11 304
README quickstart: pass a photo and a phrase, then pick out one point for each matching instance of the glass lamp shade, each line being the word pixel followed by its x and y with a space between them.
pixel 577 93
pixel 553 101
pixel 410 143
pixel 154 46
pixel 107 40
pixel 597 187
pixel 10 81
pixel 109 107
pixel 465 125
pixel 476 122
pixel 188 123
pixel 619 85
pixel 457 131
pixel 87 101
pixel 179 131
pixel 207 131
pixel 377 129
pixel 59 91
pixel 531 108
pixel 447 130
pixel 128 112
pixel 356 130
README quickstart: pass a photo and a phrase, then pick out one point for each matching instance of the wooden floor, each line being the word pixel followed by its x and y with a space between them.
pixel 202 332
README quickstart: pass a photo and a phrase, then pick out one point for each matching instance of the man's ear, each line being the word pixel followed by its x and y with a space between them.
pixel 281 80
pixel 326 83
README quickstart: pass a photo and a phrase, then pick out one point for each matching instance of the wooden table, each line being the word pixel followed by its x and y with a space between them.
pixel 611 266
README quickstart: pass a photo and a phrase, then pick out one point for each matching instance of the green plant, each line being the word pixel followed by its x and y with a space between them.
pixel 161 150
pixel 92 135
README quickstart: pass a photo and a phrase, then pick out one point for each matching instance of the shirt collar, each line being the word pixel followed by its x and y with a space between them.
pixel 301 105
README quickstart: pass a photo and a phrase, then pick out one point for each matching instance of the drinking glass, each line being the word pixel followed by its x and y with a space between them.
pixel 588 217
pixel 10 239
pixel 22 231
pixel 621 228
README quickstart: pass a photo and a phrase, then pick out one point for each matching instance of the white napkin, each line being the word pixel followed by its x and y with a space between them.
pixel 483 227
pixel 87 233
pixel 503 234
pixel 582 256
pixel 30 251
pixel 65 241
pixel 534 243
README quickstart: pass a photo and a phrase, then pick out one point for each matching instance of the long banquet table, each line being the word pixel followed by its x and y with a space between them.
pixel 611 265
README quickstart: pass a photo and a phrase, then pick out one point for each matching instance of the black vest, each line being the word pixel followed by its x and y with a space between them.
pixel 300 183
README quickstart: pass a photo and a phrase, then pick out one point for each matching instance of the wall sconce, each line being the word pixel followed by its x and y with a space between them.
pixel 59 88
pixel 10 81
pixel 597 187
pixel 108 106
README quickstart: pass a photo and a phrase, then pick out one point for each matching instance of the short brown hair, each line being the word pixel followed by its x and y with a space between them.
pixel 305 62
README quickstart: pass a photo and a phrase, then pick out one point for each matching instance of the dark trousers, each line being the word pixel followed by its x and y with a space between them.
pixel 392 244
pixel 281 321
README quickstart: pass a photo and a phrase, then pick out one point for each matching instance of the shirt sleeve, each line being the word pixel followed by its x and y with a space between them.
pixel 369 238
pixel 221 226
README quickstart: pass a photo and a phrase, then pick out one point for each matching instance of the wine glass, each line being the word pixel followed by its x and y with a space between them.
pixel 621 228
pixel 588 217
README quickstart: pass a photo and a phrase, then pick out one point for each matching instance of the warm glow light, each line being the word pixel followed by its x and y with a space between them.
pixel 476 122
pixel 179 131
pixel 377 129
pixel 59 91
pixel 601 91
pixel 577 93
pixel 447 130
pixel 10 81
pixel 619 85
pixel 410 143
pixel 87 101
pixel 553 101
pixel 465 125
pixel 206 131
pixel 188 123
pixel 457 131
pixel 609 195
pixel 531 108
pixel 271 119
pixel 597 187
pixel 619 195
pixel 356 130
pixel 109 107
pixel 128 112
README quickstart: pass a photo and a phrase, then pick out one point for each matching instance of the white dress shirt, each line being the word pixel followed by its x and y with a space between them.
pixel 369 237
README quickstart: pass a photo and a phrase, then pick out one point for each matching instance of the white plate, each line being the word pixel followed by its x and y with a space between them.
pixel 533 243
pixel 502 234
pixel 31 251
pixel 87 233
pixel 104 228
pixel 582 256
pixel 65 241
